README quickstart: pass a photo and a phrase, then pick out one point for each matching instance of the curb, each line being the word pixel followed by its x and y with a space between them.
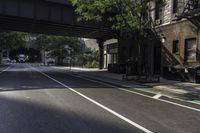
pixel 145 92
pixel 118 84
pixel 148 93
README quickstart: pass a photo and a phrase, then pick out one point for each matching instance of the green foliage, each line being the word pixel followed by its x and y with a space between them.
pixel 60 42
pixel 91 59
pixel 59 46
pixel 50 43
pixel 42 41
pixel 131 14
pixel 12 40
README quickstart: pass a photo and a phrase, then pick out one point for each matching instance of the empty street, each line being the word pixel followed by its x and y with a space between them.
pixel 37 99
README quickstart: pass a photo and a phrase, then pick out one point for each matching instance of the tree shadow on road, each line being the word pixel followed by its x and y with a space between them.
pixel 27 116
pixel 191 96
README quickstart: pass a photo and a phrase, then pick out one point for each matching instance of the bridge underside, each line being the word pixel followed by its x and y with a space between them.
pixel 45 27
pixel 49 17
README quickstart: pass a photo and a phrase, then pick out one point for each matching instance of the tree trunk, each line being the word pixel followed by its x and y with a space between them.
pixel 140 56
pixel 139 61
pixel 60 61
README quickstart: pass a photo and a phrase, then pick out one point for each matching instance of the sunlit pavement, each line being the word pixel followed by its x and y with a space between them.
pixel 37 99
pixel 184 91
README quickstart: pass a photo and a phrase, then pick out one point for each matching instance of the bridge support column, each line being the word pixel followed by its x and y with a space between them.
pixel 101 53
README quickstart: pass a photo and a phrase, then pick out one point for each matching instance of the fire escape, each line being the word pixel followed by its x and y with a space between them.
pixel 192 12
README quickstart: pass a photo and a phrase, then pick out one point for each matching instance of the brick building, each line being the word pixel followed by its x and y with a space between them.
pixel 181 38
pixel 175 57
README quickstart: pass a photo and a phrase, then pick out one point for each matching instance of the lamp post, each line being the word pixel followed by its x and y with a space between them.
pixel 69 56
pixel 70 67
pixel 163 39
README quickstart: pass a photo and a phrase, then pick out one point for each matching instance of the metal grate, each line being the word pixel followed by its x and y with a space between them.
pixel 192 12
pixel 191 9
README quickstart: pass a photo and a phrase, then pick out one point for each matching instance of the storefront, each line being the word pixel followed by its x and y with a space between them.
pixel 110 54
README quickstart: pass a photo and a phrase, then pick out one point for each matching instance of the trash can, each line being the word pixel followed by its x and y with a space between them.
pixel 192 74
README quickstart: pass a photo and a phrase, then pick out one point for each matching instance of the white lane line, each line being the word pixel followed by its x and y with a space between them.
pixel 157 96
pixel 4 70
pixel 130 91
pixel 98 104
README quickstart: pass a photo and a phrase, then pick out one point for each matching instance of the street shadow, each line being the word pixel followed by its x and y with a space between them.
pixel 3 66
pixel 19 79
pixel 93 79
pixel 182 90
pixel 23 116
pixel 170 58
pixel 191 96
pixel 22 79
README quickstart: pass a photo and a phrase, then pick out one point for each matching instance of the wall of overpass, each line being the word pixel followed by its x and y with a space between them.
pixel 49 17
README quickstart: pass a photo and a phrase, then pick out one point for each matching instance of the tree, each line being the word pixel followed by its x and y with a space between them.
pixel 62 47
pixel 58 46
pixel 42 41
pixel 131 15
pixel 12 40
pixel 91 59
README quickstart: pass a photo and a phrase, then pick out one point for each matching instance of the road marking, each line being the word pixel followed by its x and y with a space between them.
pixel 98 104
pixel 130 91
pixel 4 70
pixel 157 96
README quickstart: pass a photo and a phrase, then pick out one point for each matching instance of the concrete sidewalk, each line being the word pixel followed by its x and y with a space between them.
pixel 3 67
pixel 171 89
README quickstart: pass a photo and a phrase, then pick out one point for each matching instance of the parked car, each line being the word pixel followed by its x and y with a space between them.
pixel 13 61
pixel 50 61
pixel 5 60
pixel 22 58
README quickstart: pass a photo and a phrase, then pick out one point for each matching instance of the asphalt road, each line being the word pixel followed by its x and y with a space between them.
pixel 36 99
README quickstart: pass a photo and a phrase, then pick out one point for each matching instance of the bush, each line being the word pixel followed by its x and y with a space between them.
pixel 91 60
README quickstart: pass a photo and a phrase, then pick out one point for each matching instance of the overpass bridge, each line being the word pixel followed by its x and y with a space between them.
pixel 55 17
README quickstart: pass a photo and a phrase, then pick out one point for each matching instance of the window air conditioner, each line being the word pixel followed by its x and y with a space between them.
pixel 158 22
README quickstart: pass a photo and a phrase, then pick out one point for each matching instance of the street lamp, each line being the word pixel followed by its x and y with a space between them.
pixel 71 57
pixel 163 39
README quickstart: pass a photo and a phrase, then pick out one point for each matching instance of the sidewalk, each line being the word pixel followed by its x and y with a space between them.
pixel 171 89
pixel 2 67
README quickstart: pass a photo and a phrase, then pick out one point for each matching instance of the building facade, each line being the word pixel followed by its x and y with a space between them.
pixel 110 53
pixel 181 39
pixel 173 55
pixel 123 52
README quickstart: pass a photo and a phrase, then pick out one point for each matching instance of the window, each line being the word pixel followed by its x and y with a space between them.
pixel 190 49
pixel 175 6
pixel 175 47
pixel 158 13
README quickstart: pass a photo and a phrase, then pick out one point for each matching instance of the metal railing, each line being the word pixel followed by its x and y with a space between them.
pixel 191 9
pixel 191 12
